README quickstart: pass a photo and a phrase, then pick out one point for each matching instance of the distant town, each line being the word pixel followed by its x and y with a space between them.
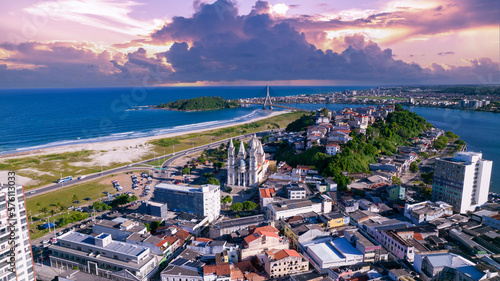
pixel 483 98
pixel 367 193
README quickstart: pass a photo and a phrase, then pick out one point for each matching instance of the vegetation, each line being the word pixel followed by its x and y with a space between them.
pixel 199 103
pixel 249 206
pixel 441 143
pixel 396 181
pixel 101 206
pixel 186 171
pixel 301 124
pixel 357 154
pixel 227 200
pixel 122 200
pixel 428 177
pixel 413 167
pixel 237 207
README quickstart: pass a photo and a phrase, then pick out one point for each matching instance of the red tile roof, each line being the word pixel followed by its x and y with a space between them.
pixel 266 192
pixel 286 253
pixel 222 269
pixel 202 239
pixel 182 234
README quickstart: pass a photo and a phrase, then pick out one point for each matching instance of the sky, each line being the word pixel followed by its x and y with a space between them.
pixel 99 43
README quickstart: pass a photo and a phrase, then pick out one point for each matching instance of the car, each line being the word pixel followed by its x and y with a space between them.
pixel 82 177
pixel 46 241
pixel 71 207
pixel 31 192
pixel 87 199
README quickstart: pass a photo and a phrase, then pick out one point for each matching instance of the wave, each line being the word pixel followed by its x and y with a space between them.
pixel 145 133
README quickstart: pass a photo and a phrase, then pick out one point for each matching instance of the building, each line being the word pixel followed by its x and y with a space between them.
pixel 186 266
pixel 262 239
pixel 300 232
pixel 156 209
pixel 333 220
pixel 328 253
pixel 296 192
pixel 283 263
pixel 462 181
pixel 226 227
pixel 119 228
pixel 248 168
pixel 396 192
pixel 210 248
pixel 266 196
pixel 427 211
pixel 448 266
pixel 290 208
pixel 17 262
pixel 332 149
pixel 158 246
pixel 202 201
pixel 364 244
pixel 102 256
pixel 326 185
pixel 398 242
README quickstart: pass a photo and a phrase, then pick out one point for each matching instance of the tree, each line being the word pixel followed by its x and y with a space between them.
pixel 413 167
pixel 227 200
pixel 428 177
pixel 74 198
pixel 52 212
pixel 396 180
pixel 249 205
pixel 186 171
pixel 237 207
pixel 441 143
pixel 324 111
pixel 212 181
pixel 154 225
pixel 99 206
pixel 44 210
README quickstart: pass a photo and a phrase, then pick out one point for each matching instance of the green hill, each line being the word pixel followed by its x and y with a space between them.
pixel 200 103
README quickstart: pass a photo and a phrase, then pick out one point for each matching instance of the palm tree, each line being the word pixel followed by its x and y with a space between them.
pixel 52 212
pixel 44 210
pixel 37 206
pixel 75 198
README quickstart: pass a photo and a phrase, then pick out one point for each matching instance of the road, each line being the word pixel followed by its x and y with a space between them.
pixel 131 167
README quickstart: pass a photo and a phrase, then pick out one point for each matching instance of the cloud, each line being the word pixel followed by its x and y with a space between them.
pixel 445 53
pixel 217 44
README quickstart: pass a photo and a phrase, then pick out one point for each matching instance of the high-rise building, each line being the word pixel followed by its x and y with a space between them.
pixel 202 201
pixel 16 258
pixel 462 181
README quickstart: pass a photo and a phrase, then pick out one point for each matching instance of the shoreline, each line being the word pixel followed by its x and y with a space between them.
pixel 124 143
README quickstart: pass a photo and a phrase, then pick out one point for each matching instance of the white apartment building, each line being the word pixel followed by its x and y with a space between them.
pixel 203 201
pixel 16 258
pixel 290 208
pixel 462 181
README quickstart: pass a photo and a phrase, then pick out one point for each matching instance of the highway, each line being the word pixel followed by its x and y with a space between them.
pixel 130 167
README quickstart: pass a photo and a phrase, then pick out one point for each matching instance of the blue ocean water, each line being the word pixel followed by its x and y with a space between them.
pixel 37 118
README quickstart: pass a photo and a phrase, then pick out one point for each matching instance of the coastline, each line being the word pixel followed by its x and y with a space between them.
pixel 120 145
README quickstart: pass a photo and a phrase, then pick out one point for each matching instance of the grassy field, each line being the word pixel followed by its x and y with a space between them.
pixel 167 145
pixel 50 167
pixel 35 228
pixel 63 197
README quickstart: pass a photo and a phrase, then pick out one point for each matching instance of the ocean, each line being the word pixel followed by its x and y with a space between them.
pixel 38 118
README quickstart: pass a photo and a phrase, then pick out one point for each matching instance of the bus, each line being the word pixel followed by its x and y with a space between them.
pixel 64 179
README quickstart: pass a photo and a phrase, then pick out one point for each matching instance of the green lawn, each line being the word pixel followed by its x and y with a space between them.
pixel 35 228
pixel 64 196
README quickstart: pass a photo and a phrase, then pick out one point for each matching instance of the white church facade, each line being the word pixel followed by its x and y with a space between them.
pixel 248 168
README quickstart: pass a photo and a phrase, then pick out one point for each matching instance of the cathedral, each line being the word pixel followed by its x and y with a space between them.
pixel 248 168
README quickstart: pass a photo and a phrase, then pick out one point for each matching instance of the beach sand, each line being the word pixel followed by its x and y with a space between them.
pixel 119 151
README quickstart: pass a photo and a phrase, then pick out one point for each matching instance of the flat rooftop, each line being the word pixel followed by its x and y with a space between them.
pixel 113 246
pixel 335 250
pixel 184 188
pixel 295 204
pixel 240 221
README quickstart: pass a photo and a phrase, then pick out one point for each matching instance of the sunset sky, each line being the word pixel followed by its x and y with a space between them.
pixel 94 43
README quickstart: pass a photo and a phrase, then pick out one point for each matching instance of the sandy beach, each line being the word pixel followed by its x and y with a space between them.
pixel 119 151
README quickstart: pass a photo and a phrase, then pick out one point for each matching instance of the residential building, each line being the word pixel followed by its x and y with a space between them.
pixel 186 266
pixel 364 244
pixel 15 243
pixel 290 208
pixel 398 242
pixel 396 192
pixel 210 248
pixel 462 181
pixel 300 232
pixel 427 211
pixel 119 228
pixel 225 227
pixel 327 253
pixel 296 192
pixel 284 262
pixel 262 239
pixel 266 196
pixel 202 201
pixel 248 168
pixel 326 185
pixel 158 246
pixel 333 220
pixel 103 256
pixel 332 148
